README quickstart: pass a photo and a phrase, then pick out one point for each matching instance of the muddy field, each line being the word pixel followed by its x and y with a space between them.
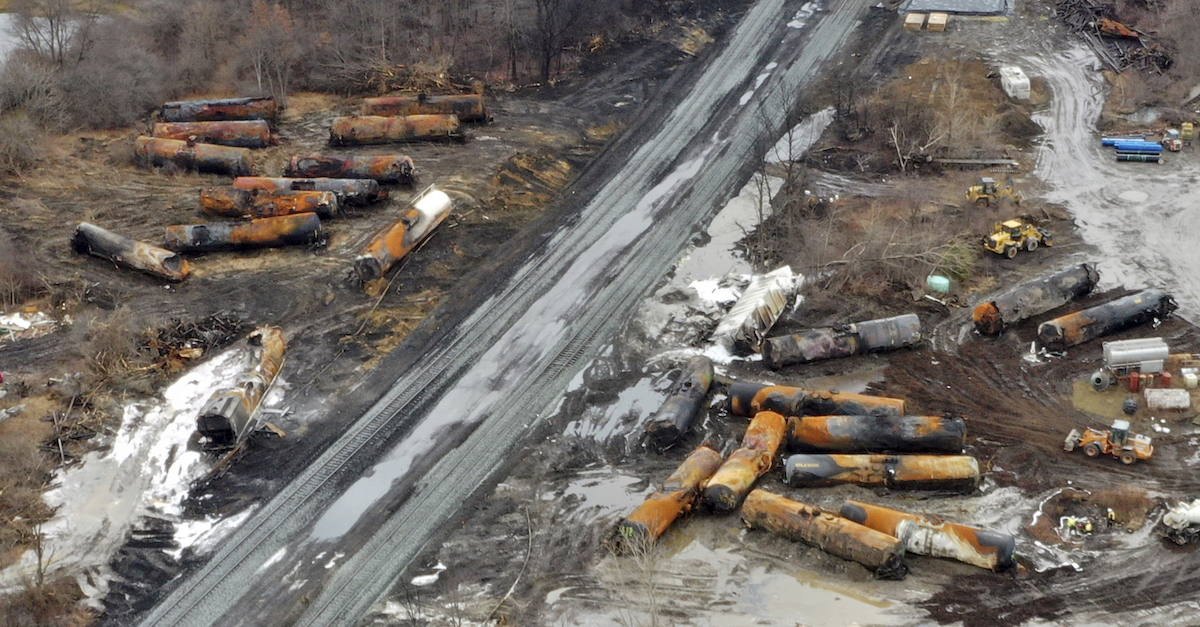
pixel 533 549
pixel 536 549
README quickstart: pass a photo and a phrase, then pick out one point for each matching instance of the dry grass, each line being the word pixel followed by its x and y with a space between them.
pixel 24 470
pixel 51 604
pixel 529 180
pixel 1131 504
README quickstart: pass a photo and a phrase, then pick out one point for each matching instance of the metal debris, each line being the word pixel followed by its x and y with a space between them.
pixel 1119 46
pixel 753 315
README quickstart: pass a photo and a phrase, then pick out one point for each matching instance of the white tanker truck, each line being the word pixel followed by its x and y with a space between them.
pixel 1182 522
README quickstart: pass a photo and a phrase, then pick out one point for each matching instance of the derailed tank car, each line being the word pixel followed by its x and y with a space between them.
pixel 90 239
pixel 842 341
pixel 747 399
pixel 674 417
pixel 1116 315
pixel 880 552
pixel 1035 297
pixel 381 168
pixel 227 416
pixel 301 229
pixel 891 433
pixel 674 498
pixel 928 535
pixel 954 473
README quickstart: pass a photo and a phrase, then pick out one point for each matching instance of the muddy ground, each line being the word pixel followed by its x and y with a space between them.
pixel 534 549
pixel 343 338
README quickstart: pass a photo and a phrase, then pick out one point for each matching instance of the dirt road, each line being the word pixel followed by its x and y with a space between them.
pixel 314 557
pixel 1140 217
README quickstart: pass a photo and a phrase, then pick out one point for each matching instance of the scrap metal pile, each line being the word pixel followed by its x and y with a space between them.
pixel 1118 45
pixel 219 136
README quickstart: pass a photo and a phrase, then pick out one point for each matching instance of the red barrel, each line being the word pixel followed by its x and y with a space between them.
pixel 1135 382
pixel 1166 379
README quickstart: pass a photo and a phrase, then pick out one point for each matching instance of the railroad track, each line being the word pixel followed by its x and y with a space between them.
pixel 665 191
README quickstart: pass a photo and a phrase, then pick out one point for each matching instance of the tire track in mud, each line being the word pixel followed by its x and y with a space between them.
pixel 223 582
pixel 1150 242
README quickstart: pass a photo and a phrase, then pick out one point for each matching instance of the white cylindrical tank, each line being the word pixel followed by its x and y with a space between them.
pixel 1135 352
pixel 1182 515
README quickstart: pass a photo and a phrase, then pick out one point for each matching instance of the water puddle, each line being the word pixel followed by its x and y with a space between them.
pixel 851 382
pixel 741 215
pixel 797 140
pixel 1134 196
pixel 602 495
pixel 625 415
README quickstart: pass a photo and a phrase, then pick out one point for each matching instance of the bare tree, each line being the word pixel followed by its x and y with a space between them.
pixel 270 48
pixel 554 23
pixel 55 30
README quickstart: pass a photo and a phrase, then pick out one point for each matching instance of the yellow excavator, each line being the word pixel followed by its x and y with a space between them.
pixel 986 191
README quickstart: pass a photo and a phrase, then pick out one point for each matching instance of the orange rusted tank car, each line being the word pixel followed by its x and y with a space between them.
pixel 90 239
pixel 928 535
pixel 747 399
pixel 880 552
pixel 725 489
pixel 158 152
pixel 374 129
pixel 300 229
pixel 676 497
pixel 228 416
pixel 348 191
pixel 468 107
pixel 859 434
pixel 958 473
pixel 253 108
pixel 381 168
pixel 232 202
pixel 674 417
pixel 420 219
pixel 1033 298
pixel 242 133
pixel 1116 315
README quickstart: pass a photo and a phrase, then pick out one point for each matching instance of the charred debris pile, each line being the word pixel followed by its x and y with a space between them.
pixel 1118 45
pixel 819 438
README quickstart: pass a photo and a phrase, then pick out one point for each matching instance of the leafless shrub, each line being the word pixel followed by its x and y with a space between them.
pixel 1130 504
pixel 20 143
pixel 111 348
pixel 16 278
pixel 115 84
pixel 30 84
